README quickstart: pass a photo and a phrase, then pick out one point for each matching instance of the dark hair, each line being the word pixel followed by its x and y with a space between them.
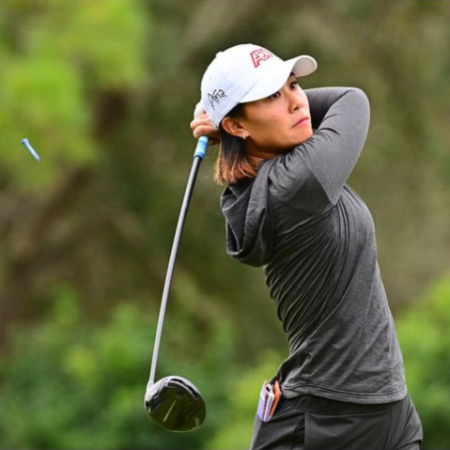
pixel 233 163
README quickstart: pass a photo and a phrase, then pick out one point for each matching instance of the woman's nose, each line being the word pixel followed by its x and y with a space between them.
pixel 295 100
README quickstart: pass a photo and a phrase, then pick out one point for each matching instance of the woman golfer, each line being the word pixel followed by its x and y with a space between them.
pixel 285 157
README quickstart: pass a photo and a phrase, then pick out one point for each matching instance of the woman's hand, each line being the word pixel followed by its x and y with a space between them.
pixel 202 126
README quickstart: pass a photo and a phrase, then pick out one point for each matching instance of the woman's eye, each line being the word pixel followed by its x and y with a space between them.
pixel 275 95
pixel 294 84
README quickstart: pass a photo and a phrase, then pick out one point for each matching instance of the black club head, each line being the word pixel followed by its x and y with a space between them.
pixel 175 404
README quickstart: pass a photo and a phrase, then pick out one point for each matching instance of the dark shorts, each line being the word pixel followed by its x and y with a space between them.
pixel 314 423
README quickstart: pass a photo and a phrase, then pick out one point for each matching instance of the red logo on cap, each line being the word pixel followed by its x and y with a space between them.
pixel 260 55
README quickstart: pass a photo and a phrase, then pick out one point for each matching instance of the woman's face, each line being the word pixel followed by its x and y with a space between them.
pixel 277 123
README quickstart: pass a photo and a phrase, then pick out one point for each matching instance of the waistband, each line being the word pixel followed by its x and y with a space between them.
pixel 325 406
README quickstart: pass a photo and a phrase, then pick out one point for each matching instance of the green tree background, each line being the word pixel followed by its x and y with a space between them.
pixel 105 90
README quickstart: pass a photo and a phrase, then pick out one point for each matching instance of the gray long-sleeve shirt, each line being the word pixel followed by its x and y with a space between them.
pixel 315 238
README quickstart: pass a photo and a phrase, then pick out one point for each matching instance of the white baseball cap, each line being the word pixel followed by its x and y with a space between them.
pixel 246 73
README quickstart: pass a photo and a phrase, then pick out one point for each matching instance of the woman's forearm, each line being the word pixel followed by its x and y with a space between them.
pixel 321 100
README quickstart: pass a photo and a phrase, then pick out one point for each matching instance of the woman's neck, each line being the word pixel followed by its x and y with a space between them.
pixel 257 154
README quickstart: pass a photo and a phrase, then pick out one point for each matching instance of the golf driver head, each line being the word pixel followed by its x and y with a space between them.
pixel 175 404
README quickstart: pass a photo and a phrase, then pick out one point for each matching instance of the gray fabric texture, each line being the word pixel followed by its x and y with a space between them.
pixel 315 239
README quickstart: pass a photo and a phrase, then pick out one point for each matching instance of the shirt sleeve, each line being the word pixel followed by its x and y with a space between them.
pixel 312 175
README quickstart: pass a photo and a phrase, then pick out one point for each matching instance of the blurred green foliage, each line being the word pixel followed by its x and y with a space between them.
pixel 235 430
pixel 425 340
pixel 73 384
pixel 105 90
pixel 70 383
pixel 60 55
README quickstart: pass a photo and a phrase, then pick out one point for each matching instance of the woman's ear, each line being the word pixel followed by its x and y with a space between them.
pixel 234 127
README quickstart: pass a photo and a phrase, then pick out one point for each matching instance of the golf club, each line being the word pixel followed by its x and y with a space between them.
pixel 174 402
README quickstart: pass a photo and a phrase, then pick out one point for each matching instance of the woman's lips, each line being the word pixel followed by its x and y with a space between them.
pixel 303 121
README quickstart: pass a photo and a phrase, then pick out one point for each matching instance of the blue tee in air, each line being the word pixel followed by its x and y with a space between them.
pixel 30 149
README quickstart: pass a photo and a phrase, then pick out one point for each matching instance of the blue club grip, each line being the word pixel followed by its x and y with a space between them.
pixel 202 145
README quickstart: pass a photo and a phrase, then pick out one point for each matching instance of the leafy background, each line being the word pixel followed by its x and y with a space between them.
pixel 104 90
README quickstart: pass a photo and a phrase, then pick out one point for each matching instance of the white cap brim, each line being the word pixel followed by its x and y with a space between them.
pixel 272 82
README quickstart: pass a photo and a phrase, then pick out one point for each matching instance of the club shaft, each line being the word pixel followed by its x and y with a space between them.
pixel 198 157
